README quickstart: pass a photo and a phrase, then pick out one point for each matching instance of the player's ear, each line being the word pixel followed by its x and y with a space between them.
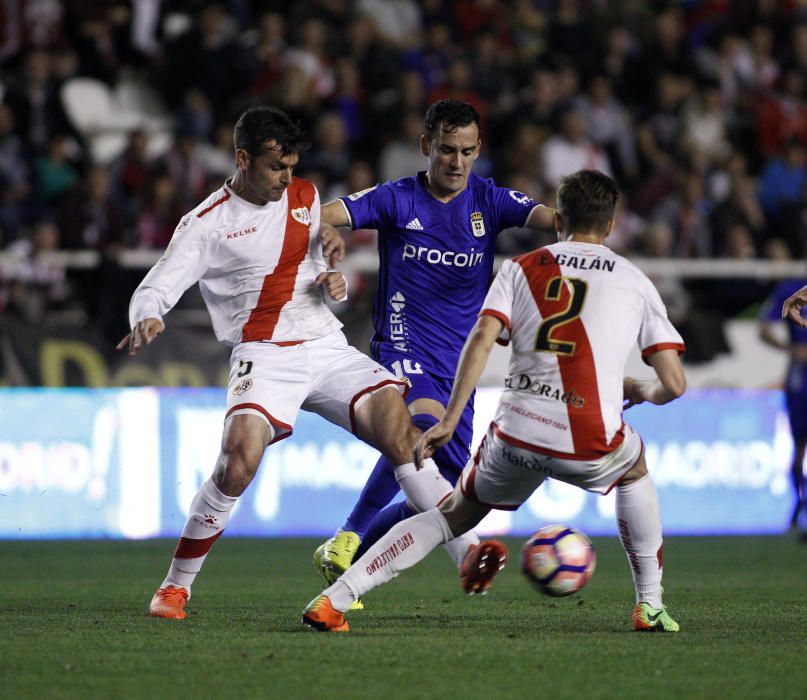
pixel 559 225
pixel 608 228
pixel 241 159
pixel 424 145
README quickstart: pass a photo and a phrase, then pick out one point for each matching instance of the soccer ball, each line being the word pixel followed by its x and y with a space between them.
pixel 558 560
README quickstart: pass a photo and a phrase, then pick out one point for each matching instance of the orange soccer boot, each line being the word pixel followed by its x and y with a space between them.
pixel 320 615
pixel 169 602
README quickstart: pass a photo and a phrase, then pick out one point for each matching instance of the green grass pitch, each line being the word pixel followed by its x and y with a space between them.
pixel 73 625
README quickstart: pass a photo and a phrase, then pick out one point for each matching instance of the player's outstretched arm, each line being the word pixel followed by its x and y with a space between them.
pixel 335 214
pixel 670 382
pixel 142 334
pixel 472 361
pixel 792 307
pixel 542 219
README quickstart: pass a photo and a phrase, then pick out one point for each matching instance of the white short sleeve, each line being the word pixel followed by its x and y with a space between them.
pixel 656 332
pixel 499 300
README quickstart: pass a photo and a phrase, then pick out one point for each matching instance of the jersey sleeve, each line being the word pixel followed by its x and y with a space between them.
pixel 182 265
pixel 511 208
pixel 499 300
pixel 370 208
pixel 656 332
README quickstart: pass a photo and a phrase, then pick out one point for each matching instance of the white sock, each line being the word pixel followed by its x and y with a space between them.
pixel 403 546
pixel 424 488
pixel 209 512
pixel 458 547
pixel 639 524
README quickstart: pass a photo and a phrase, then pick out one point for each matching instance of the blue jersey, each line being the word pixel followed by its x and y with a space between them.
pixel 436 260
pixel 796 379
pixel 772 309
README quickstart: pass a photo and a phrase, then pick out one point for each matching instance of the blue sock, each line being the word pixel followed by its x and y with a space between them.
pixel 380 488
pixel 381 524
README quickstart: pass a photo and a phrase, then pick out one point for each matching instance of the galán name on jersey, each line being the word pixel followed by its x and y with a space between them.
pixel 578 263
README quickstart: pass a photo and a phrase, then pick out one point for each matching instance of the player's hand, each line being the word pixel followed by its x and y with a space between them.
pixel 143 333
pixel 792 307
pixel 334 283
pixel 431 441
pixel 333 245
pixel 632 392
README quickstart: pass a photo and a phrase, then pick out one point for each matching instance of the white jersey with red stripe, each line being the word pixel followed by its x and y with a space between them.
pixel 256 267
pixel 572 312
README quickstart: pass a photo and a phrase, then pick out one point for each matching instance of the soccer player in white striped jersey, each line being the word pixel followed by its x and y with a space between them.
pixel 256 250
pixel 571 311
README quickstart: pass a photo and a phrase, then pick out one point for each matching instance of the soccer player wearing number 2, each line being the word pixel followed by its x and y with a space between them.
pixel 256 249
pixel 436 239
pixel 571 311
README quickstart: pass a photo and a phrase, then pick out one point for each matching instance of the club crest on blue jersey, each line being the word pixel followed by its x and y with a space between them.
pixel 477 224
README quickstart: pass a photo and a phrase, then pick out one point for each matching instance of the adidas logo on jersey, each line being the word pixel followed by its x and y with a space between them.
pixel 414 225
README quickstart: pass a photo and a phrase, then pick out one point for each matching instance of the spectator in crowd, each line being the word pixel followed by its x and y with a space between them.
pixel 571 150
pixel 14 178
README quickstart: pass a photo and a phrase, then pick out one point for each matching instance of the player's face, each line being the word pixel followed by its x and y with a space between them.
pixel 451 156
pixel 264 178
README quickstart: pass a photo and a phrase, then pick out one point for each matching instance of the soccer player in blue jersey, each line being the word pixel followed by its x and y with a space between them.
pixel 795 379
pixel 436 241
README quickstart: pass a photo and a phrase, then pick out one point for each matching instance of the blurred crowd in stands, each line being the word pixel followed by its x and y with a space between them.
pixel 698 109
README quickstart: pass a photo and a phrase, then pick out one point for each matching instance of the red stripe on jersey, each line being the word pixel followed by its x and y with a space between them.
pixel 658 347
pixel 577 370
pixel 190 549
pixel 213 206
pixel 278 286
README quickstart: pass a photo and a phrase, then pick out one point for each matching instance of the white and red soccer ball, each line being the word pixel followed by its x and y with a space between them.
pixel 558 560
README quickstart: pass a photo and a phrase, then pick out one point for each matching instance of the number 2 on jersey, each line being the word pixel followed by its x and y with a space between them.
pixel 544 342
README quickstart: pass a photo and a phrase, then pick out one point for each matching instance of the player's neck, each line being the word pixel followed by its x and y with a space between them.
pixel 237 185
pixel 585 237
pixel 440 195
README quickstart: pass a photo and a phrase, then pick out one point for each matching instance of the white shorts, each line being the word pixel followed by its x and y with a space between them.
pixel 504 472
pixel 326 376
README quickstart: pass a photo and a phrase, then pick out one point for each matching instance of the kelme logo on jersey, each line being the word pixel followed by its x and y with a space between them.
pixel 449 258
pixel 302 215
pixel 477 224
pixel 524 382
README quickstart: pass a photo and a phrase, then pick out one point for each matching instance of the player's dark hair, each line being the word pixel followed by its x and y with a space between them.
pixel 258 125
pixel 449 115
pixel 586 201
